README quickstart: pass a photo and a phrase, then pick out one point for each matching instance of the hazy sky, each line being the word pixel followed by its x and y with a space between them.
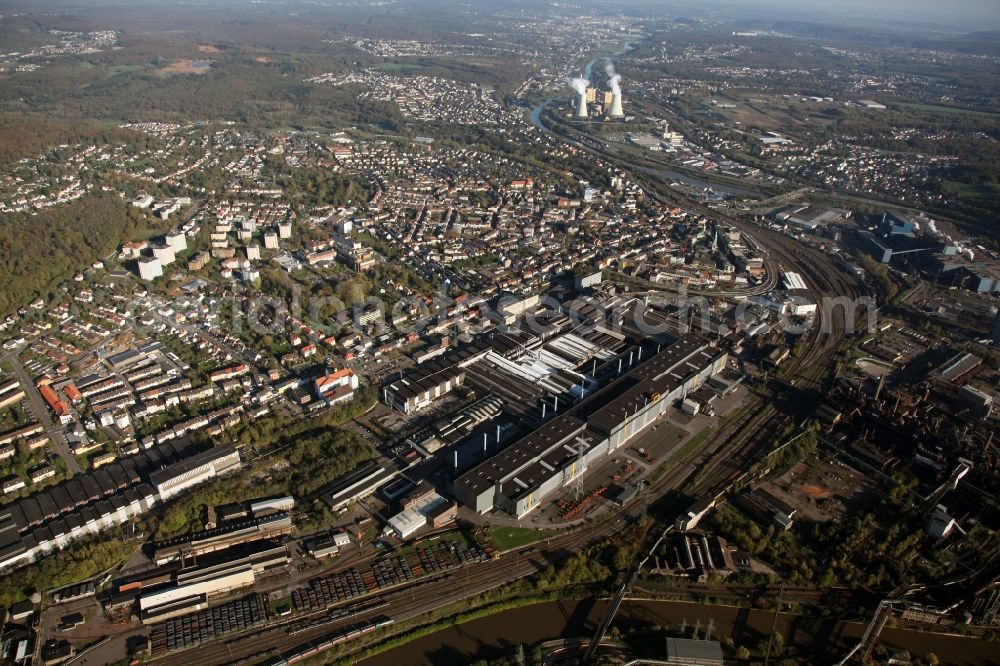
pixel 974 14
pixel 963 15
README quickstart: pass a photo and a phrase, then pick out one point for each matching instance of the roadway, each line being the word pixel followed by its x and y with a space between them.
pixel 57 438
pixel 731 448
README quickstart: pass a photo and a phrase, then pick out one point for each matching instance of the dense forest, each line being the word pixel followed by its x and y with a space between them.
pixel 21 137
pixel 41 251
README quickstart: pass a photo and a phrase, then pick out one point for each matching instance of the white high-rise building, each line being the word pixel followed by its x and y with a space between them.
pixel 165 254
pixel 271 241
pixel 176 241
pixel 150 269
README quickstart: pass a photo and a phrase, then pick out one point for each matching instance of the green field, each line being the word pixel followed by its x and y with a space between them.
pixel 115 70
pixel 972 191
pixel 748 158
pixel 13 417
pixel 507 538
pixel 280 605
pixel 938 108
pixel 398 66
pixel 690 445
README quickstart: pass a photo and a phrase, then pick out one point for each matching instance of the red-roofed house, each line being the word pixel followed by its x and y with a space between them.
pixel 57 405
pixel 73 393
pixel 336 386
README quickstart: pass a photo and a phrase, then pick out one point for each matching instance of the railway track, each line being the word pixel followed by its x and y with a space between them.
pixel 423 595
pixel 808 369
pixel 743 438
pixel 403 604
pixel 739 442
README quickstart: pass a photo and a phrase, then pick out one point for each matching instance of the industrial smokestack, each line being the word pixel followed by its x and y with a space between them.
pixel 614 82
pixel 616 106
pixel 579 84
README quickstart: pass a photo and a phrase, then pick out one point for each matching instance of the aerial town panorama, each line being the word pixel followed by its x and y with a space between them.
pixel 414 332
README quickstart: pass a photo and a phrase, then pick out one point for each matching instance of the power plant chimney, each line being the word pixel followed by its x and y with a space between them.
pixel 581 107
pixel 616 106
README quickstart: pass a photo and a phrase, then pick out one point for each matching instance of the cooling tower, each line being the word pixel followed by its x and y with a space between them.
pixel 581 107
pixel 616 106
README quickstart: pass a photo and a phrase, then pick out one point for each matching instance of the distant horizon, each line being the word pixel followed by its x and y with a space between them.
pixel 966 15
pixel 959 15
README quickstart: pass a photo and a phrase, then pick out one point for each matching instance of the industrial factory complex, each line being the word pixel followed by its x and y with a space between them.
pixel 636 306
pixel 555 454
pixel 191 570
pixel 546 402
pixel 610 101
pixel 48 521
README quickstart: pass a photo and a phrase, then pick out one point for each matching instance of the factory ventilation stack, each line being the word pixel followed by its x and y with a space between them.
pixel 581 107
pixel 616 106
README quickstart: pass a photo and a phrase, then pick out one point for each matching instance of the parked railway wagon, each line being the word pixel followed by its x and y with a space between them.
pixel 313 648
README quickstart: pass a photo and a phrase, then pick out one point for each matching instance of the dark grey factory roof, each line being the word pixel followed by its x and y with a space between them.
pixel 189 464
pixel 424 379
pixel 521 453
pixel 659 376
pixel 125 358
pixel 694 651
pixel 605 409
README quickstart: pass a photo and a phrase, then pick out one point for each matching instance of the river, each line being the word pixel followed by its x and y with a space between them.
pixel 686 179
pixel 536 113
pixel 818 641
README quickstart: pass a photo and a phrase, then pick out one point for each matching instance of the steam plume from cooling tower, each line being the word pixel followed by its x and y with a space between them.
pixel 614 79
pixel 579 84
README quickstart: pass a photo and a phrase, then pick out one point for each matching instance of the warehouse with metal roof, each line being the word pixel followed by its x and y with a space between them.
pixel 517 478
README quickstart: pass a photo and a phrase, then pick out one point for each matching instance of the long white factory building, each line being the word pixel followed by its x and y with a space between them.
pixel 517 478
pixel 36 526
